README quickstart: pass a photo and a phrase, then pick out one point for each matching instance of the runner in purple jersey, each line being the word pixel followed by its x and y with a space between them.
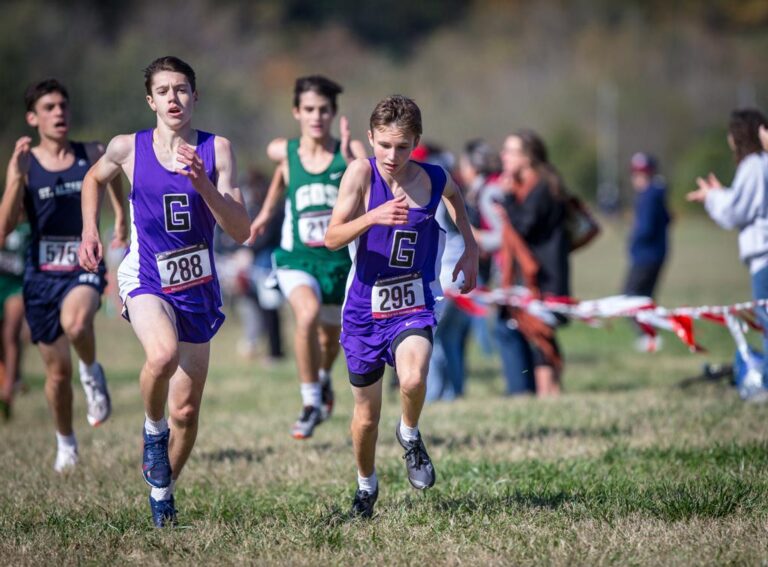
pixel 386 213
pixel 184 181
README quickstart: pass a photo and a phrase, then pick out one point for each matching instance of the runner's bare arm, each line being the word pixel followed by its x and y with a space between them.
pixel 350 149
pixel 275 193
pixel 15 180
pixel 225 199
pixel 277 150
pixel 115 192
pixel 468 263
pixel 346 221
pixel 118 155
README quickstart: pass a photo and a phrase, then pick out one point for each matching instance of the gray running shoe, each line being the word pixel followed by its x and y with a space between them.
pixel 97 397
pixel 421 473
pixel 309 418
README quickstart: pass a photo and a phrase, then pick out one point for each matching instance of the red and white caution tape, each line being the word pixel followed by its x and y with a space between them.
pixel 648 316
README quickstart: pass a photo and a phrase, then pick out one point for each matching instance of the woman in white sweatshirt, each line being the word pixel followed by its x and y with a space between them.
pixel 744 205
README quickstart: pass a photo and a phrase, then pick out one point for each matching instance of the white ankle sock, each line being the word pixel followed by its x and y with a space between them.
pixel 408 433
pixel 325 376
pixel 155 427
pixel 163 493
pixel 311 394
pixel 367 483
pixel 67 442
pixel 88 370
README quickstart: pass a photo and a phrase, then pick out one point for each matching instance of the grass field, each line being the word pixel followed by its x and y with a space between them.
pixel 625 468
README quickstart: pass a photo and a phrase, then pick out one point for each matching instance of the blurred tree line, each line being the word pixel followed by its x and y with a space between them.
pixel 477 68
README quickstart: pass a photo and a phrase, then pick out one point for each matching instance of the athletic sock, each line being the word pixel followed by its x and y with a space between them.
pixel 163 493
pixel 367 483
pixel 88 370
pixel 325 376
pixel 408 433
pixel 311 394
pixel 66 442
pixel 155 427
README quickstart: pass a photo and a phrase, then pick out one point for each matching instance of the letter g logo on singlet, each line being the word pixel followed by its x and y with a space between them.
pixel 176 220
pixel 402 256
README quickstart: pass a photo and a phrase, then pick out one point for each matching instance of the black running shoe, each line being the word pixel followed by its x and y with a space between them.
pixel 327 398
pixel 362 507
pixel 421 473
pixel 309 418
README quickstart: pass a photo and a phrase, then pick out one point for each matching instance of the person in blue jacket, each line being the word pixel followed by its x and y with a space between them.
pixel 648 240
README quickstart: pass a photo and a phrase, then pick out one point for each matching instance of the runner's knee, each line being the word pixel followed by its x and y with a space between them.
pixel 366 420
pixel 58 373
pixel 185 415
pixel 76 328
pixel 307 317
pixel 163 362
pixel 411 379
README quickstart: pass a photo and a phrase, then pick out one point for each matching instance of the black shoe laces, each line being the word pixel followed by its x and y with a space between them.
pixel 416 455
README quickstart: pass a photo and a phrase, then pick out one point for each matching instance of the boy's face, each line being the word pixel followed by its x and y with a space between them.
pixel 172 98
pixel 50 116
pixel 392 147
pixel 315 115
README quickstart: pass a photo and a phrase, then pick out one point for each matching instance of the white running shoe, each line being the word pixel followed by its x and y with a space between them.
pixel 97 397
pixel 66 459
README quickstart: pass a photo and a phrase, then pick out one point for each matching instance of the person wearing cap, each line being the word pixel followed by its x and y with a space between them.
pixel 648 242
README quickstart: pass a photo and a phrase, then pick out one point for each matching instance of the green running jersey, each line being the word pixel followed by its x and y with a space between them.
pixel 310 198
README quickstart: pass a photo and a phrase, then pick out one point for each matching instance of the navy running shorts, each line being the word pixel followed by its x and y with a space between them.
pixel 44 294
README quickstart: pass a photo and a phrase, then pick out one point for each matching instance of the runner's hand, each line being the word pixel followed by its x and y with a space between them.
pixel 194 170
pixel 90 252
pixel 258 227
pixel 346 138
pixel 468 263
pixel 392 213
pixel 20 160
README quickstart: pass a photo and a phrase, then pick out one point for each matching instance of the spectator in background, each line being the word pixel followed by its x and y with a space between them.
pixel 648 243
pixel 744 206
pixel 445 379
pixel 267 297
pixel 479 169
pixel 535 249
pixel 242 271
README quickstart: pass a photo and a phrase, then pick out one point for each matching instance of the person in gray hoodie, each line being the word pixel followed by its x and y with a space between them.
pixel 744 205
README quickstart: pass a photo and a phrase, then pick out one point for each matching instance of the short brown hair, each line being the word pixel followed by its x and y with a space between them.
pixel 319 84
pixel 38 90
pixel 397 110
pixel 168 63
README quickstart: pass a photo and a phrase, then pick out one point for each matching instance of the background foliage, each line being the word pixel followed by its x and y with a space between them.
pixel 477 68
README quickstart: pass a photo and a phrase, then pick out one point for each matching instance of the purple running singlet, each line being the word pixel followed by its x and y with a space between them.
pixel 171 252
pixel 393 283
